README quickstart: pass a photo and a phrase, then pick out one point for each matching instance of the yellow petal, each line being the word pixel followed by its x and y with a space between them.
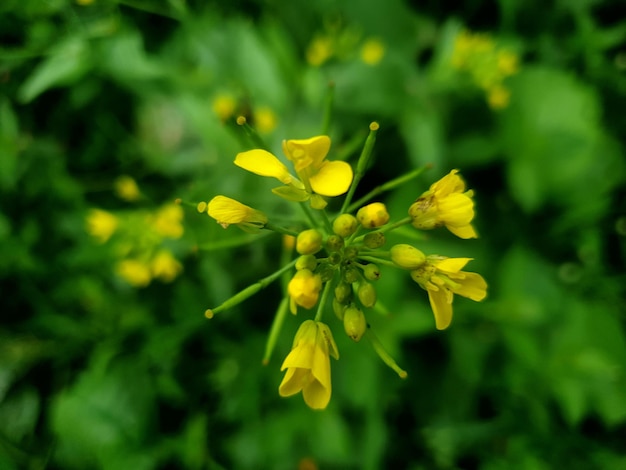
pixel 316 396
pixel 230 211
pixel 295 379
pixel 465 232
pixel 263 163
pixel 473 286
pixel 306 153
pixel 332 179
pixel 441 303
pixel 451 183
pixel 451 265
pixel 456 209
pixel 327 336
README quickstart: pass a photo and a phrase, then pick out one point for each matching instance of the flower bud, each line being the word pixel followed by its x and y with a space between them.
pixel 345 225
pixel 354 323
pixel 343 292
pixel 350 274
pixel 339 309
pixel 306 262
pixel 309 242
pixel 371 272
pixel 407 256
pixel 351 252
pixel 367 294
pixel 374 240
pixel 334 243
pixel 424 214
pixel 373 215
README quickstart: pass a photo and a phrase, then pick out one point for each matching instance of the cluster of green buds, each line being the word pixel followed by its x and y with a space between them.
pixel 339 255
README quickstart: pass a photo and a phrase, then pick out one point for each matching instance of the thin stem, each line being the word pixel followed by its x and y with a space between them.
pixel 308 214
pixel 388 227
pixel 277 325
pixel 277 229
pixel 322 304
pixel 373 259
pixel 383 354
pixel 361 165
pixel 388 186
pixel 326 220
pixel 251 133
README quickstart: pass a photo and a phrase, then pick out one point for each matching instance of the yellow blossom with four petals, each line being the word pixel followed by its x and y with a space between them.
pixel 442 277
pixel 227 211
pixel 308 365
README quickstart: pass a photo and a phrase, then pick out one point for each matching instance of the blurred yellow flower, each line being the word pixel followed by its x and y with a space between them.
pixel 227 211
pixel 135 272
pixel 167 221
pixel 224 106
pixel 445 203
pixel 165 267
pixel 126 188
pixel 498 97
pixel 308 365
pixel 319 51
pixel 442 277
pixel 101 224
pixel 304 289
pixel 84 2
pixel 372 51
pixel 265 120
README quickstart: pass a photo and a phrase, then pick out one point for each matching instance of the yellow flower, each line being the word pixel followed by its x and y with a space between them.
pixel 442 277
pixel 319 51
pixel 101 224
pixel 308 365
pixel 445 203
pixel 126 188
pixel 229 211
pixel 135 272
pixel 498 97
pixel 224 106
pixel 167 221
pixel 304 289
pixel 372 51
pixel 165 267
pixel 318 176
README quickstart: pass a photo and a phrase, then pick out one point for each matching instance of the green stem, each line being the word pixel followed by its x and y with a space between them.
pixel 252 134
pixel 383 354
pixel 387 228
pixel 277 229
pixel 373 259
pixel 387 186
pixel 249 291
pixel 361 165
pixel 277 325
pixel 322 304
pixel 308 214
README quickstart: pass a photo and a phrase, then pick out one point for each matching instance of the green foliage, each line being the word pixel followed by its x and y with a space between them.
pixel 96 373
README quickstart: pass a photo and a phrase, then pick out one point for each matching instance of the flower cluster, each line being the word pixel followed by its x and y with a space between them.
pixel 487 63
pixel 341 43
pixel 339 255
pixel 138 238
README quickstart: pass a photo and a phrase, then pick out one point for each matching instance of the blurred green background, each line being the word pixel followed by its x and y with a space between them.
pixel 109 365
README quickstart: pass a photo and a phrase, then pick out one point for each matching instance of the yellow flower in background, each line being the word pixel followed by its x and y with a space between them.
pixel 167 221
pixel 165 267
pixel 308 365
pixel 498 97
pixel 265 119
pixel 101 224
pixel 372 51
pixel 318 176
pixel 224 106
pixel 445 203
pixel 319 51
pixel 442 277
pixel 126 188
pixel 135 272
pixel 227 211
pixel 508 63
pixel 304 289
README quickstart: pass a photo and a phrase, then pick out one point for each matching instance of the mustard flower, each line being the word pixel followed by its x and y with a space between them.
pixel 135 272
pixel 228 211
pixel 308 365
pixel 317 177
pixel 126 188
pixel 164 266
pixel 304 289
pixel 445 203
pixel 101 224
pixel 168 221
pixel 442 277
pixel 372 51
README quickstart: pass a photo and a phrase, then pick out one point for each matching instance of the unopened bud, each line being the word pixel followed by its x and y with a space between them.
pixel 350 274
pixel 371 272
pixel 345 225
pixel 407 256
pixel 354 323
pixel 306 262
pixel 374 240
pixel 343 292
pixel 373 215
pixel 367 294
pixel 339 309
pixel 309 242
pixel 334 243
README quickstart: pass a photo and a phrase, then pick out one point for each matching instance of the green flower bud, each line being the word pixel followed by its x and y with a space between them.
pixel 350 252
pixel 373 215
pixel 345 225
pixel 339 309
pixel 350 274
pixel 306 262
pixel 343 292
pixel 334 258
pixel 374 240
pixel 407 256
pixel 354 323
pixel 326 271
pixel 371 272
pixel 309 242
pixel 367 294
pixel 334 243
